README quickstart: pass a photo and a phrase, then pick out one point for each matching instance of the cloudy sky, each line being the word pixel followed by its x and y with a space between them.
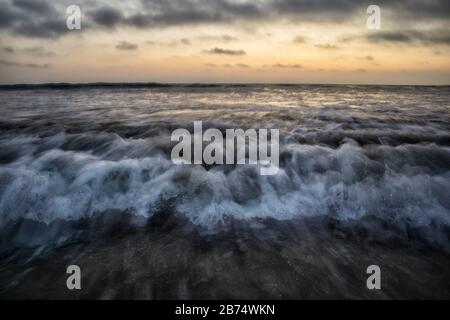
pixel 289 41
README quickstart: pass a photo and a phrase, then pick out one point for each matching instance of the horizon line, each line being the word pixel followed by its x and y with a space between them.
pixel 193 84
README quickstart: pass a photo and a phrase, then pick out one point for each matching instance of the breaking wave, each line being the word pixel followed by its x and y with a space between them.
pixel 46 181
pixel 343 164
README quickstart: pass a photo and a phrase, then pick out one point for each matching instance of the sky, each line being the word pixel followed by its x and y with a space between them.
pixel 225 41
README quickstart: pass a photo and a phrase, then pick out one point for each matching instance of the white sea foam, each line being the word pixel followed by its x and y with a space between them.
pixel 343 154
pixel 349 182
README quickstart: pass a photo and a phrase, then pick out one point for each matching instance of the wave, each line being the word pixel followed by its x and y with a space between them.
pixel 119 85
pixel 131 85
pixel 71 177
pixel 74 160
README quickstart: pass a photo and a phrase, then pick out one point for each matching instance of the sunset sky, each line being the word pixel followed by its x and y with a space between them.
pixel 271 41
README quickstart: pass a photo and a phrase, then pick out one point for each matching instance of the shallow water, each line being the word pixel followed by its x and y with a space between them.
pixel 86 176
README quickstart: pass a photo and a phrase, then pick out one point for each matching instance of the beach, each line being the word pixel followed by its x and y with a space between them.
pixel 86 178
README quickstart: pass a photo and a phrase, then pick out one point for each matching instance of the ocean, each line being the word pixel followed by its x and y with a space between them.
pixel 86 178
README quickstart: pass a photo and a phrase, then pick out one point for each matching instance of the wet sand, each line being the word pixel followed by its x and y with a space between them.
pixel 264 259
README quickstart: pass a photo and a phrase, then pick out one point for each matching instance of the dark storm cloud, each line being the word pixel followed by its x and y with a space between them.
pixel 419 9
pixel 34 6
pixel 181 12
pixel 37 18
pixel 42 29
pixel 124 45
pixel 432 37
pixel 46 18
pixel 8 15
pixel 316 8
pixel 229 52
pixel 390 37
pixel 107 16
pixel 32 18
pixel 177 12
pixel 154 13
pixel 398 37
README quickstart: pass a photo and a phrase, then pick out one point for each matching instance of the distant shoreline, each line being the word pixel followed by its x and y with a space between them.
pixel 68 85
